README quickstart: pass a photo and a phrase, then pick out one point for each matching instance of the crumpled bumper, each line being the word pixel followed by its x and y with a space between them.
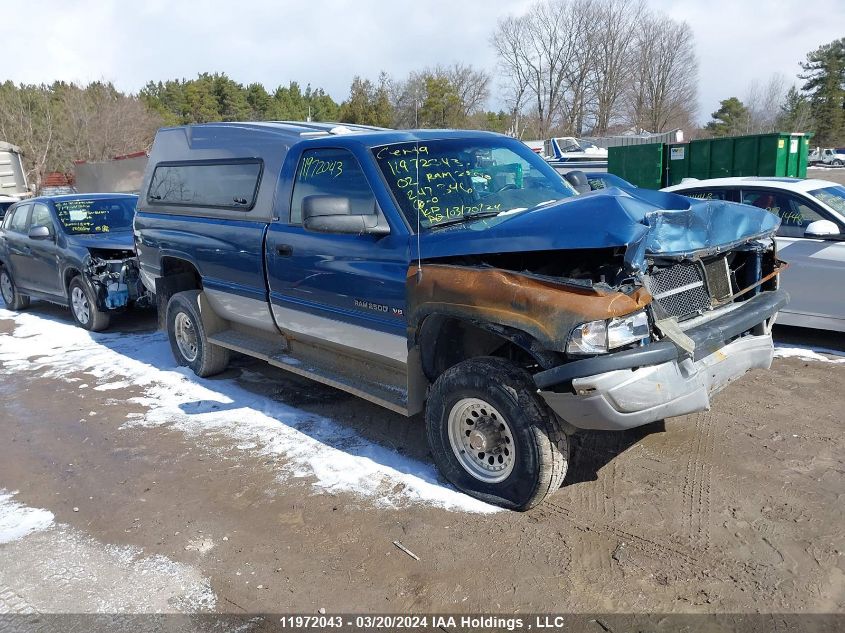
pixel 638 386
pixel 627 398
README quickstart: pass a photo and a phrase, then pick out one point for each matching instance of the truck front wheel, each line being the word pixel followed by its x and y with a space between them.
pixel 188 340
pixel 493 436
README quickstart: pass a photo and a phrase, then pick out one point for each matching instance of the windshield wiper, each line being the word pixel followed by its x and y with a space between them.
pixel 466 218
pixel 489 214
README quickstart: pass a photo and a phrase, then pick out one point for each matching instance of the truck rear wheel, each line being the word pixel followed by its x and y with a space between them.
pixel 9 291
pixel 493 436
pixel 188 340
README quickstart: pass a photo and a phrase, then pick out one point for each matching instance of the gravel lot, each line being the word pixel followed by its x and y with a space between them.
pixel 128 484
pixel 834 174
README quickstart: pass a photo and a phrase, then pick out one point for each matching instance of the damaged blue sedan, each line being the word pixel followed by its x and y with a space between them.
pixel 74 250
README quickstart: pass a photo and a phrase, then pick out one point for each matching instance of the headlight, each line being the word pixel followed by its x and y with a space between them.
pixel 597 337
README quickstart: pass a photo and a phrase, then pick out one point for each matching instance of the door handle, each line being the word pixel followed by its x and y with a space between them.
pixel 284 250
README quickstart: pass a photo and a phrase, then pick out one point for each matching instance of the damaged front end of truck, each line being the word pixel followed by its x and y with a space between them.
pixel 626 308
pixel 114 276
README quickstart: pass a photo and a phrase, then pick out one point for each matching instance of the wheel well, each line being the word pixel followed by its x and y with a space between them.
pixel 177 275
pixel 70 273
pixel 171 266
pixel 446 341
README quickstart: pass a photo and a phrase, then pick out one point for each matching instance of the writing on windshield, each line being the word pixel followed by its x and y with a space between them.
pixel 834 197
pixel 96 216
pixel 440 181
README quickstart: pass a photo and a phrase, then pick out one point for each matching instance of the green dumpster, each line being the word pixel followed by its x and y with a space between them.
pixel 653 166
pixel 641 165
pixel 678 164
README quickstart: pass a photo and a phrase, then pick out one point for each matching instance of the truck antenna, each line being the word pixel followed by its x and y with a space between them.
pixel 416 204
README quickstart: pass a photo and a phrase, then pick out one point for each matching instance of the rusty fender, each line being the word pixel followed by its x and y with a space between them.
pixel 545 309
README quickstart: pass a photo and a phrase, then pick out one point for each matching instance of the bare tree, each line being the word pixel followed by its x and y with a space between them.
pixel 570 63
pixel 533 50
pixel 764 101
pixel 471 85
pixel 579 78
pixel 663 92
pixel 508 42
pixel 100 122
pixel 462 83
pixel 58 124
pixel 613 57
pixel 26 120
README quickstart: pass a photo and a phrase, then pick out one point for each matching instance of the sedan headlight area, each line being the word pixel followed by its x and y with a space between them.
pixel 597 337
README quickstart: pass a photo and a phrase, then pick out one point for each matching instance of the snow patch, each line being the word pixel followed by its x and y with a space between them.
pixel 57 568
pixel 818 354
pixel 17 520
pixel 333 457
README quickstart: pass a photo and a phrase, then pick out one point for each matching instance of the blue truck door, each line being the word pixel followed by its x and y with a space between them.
pixel 346 289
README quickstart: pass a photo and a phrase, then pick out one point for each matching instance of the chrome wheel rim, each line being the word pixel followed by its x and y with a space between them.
pixel 482 440
pixel 186 337
pixel 79 303
pixel 6 288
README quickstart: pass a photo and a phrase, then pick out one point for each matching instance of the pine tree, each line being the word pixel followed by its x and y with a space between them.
pixel 442 105
pixel 730 119
pixel 260 102
pixel 794 113
pixel 824 82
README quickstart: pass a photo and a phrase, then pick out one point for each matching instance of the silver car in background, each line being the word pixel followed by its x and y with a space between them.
pixel 811 239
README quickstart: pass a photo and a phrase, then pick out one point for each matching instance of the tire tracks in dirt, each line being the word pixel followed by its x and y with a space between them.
pixel 697 484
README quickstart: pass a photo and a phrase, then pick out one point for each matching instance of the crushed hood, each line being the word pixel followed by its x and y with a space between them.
pixel 118 241
pixel 644 222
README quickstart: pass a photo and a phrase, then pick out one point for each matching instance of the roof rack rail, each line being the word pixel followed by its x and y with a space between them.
pixel 322 128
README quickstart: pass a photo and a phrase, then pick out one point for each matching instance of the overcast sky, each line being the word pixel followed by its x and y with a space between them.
pixel 327 42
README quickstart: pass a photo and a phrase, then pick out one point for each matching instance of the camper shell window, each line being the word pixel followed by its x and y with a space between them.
pixel 218 184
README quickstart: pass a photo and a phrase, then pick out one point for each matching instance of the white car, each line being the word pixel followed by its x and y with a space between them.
pixel 811 238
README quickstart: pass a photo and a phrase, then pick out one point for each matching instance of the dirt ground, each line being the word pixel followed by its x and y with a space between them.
pixel 739 509
pixel 834 174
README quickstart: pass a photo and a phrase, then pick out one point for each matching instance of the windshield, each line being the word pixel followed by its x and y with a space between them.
pixel 96 216
pixel 445 181
pixel 834 197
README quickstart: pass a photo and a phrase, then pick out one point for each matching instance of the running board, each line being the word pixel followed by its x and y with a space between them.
pixel 392 397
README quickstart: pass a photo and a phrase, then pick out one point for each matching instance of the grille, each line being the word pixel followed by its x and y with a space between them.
pixel 679 289
pixel 718 276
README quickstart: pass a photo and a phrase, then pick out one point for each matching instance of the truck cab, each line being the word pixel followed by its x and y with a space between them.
pixel 453 274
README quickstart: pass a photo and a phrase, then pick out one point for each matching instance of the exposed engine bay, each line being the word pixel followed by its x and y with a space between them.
pixel 115 277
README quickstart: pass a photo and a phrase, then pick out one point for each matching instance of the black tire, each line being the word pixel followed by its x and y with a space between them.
pixel 541 454
pixel 207 359
pixel 87 316
pixel 9 291
pixel 837 163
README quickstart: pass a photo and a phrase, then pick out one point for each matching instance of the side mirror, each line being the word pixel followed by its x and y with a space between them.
pixel 821 228
pixel 40 232
pixel 334 214
pixel 578 180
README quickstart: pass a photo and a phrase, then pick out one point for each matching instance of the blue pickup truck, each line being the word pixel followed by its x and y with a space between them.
pixel 453 273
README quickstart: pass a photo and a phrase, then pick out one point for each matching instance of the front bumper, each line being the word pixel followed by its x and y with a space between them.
pixel 635 387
